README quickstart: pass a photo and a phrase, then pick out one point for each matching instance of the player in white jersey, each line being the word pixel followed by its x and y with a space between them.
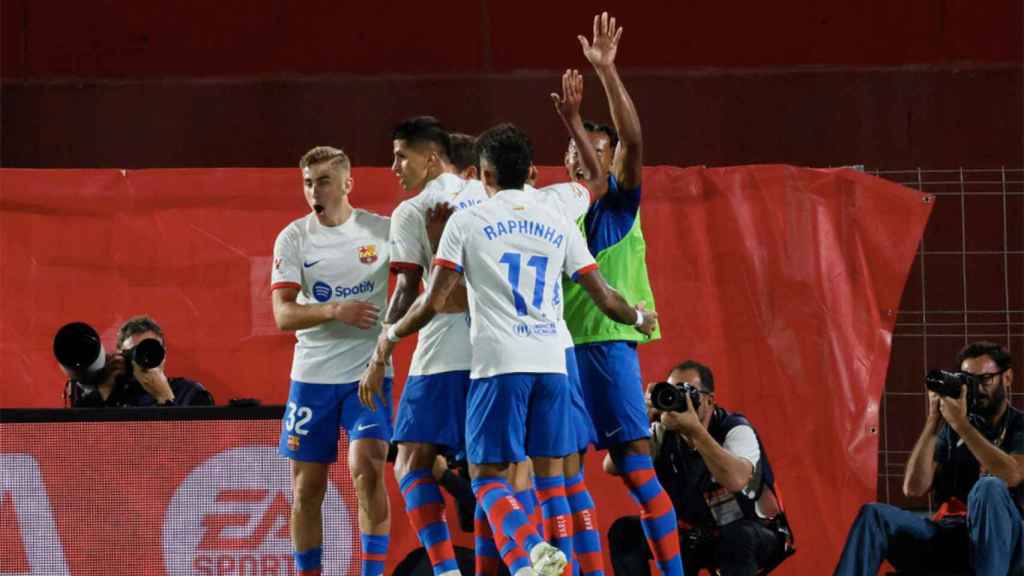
pixel 512 251
pixel 432 410
pixel 329 281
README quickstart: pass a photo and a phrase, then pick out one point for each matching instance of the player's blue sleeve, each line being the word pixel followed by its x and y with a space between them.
pixel 610 218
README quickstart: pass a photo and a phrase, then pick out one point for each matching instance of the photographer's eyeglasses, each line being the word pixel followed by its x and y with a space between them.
pixel 986 376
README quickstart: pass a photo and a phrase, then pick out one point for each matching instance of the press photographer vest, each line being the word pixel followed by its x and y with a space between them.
pixel 686 478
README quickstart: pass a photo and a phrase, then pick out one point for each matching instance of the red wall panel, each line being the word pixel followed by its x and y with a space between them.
pixel 122 38
pixel 931 117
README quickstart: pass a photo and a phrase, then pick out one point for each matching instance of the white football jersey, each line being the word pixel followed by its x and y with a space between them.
pixel 513 250
pixel 330 264
pixel 571 200
pixel 443 344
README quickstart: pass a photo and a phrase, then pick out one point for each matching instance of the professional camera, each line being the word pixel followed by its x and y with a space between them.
pixel 672 397
pixel 950 384
pixel 146 354
pixel 78 349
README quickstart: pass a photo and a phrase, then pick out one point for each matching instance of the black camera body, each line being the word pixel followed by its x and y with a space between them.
pixel 668 397
pixel 950 384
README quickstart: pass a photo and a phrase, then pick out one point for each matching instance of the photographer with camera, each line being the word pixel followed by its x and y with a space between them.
pixel 132 377
pixel 715 470
pixel 970 456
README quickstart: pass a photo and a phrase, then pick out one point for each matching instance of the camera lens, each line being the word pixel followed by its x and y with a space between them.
pixel 77 346
pixel 148 354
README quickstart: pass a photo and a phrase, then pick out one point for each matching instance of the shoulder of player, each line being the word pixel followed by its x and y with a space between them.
pixel 372 220
pixel 408 208
pixel 295 229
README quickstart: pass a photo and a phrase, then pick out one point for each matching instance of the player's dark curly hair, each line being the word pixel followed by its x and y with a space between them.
pixel 707 378
pixel 610 132
pixel 508 148
pixel 424 130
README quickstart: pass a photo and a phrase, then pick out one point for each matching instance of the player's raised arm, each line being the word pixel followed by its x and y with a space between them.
pixel 628 160
pixel 568 108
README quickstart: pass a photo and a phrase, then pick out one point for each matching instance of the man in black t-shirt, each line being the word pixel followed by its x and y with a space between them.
pixel 971 458
pixel 121 385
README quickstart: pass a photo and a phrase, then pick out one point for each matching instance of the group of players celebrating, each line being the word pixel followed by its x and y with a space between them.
pixel 534 303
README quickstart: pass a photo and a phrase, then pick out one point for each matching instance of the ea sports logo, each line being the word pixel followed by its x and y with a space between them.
pixel 322 291
pixel 230 516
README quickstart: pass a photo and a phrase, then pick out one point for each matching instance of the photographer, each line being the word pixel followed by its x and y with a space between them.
pixel 120 383
pixel 717 474
pixel 970 456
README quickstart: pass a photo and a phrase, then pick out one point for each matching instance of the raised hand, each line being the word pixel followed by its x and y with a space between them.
pixel 358 313
pixel 568 104
pixel 601 52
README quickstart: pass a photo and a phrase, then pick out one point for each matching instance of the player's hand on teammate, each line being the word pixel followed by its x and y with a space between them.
pixel 601 52
pixel 373 378
pixel 568 104
pixel 437 217
pixel 358 313
pixel 650 320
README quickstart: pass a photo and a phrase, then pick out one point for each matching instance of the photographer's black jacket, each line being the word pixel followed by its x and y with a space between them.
pixel 685 477
pixel 958 469
pixel 128 393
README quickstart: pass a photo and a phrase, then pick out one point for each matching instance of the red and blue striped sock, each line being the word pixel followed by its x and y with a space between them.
pixel 487 557
pixel 557 515
pixel 531 505
pixel 308 563
pixel 505 516
pixel 657 516
pixel 375 550
pixel 425 507
pixel 586 539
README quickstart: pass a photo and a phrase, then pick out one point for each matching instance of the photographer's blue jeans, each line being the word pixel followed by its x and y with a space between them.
pixel 992 539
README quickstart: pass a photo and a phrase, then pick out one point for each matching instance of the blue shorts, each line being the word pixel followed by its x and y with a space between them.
pixel 580 424
pixel 613 391
pixel 315 414
pixel 512 416
pixel 432 410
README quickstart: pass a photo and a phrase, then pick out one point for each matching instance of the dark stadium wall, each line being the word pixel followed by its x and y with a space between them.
pixel 114 84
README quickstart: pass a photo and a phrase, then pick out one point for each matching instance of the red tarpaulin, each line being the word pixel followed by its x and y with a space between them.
pixel 784 280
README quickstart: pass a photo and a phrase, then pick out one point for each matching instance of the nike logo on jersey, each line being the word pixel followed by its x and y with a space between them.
pixel 613 432
pixel 310 264
pixel 362 427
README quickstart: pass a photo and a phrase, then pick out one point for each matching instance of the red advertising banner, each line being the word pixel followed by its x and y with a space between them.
pixel 168 497
pixel 784 280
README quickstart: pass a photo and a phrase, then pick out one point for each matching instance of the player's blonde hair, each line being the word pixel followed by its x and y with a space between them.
pixel 322 154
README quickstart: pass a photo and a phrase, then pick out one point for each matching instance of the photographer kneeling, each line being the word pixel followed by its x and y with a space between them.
pixel 132 377
pixel 712 464
pixel 971 451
